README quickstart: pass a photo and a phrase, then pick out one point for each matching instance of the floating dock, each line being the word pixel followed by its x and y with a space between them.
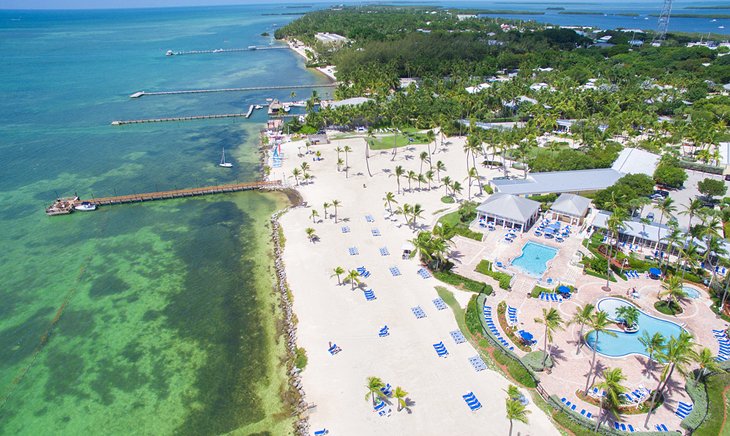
pixel 139 94
pixel 64 206
pixel 225 50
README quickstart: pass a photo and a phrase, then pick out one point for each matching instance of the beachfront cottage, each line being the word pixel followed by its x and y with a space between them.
pixel 508 211
pixel 570 208
pixel 275 107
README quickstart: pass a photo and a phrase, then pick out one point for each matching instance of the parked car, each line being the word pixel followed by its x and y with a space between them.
pixel 650 216
pixel 664 194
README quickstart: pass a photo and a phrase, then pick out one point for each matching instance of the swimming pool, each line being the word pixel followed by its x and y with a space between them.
pixel 534 258
pixel 624 344
pixel 691 292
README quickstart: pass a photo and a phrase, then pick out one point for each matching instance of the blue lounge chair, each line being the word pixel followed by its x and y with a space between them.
pixel 458 337
pixel 573 407
pixel 322 432
pixel 370 295
pixel 375 232
pixel 631 428
pixel 380 406
pixel 615 425
pixel 384 251
pixel 387 390
pixel 369 218
pixel 385 331
pixel 439 303
pixel 394 271
pixel 353 251
pixel 441 349
pixel 623 427
pixel 345 229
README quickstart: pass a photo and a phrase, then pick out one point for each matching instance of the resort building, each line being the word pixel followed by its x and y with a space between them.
pixel 635 233
pixel 629 161
pixel 508 211
pixel 330 38
pixel 354 101
pixel 570 208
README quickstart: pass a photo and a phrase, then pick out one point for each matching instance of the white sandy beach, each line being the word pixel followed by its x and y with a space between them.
pixel 331 313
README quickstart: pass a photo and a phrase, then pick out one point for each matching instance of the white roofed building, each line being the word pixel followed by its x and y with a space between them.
pixel 508 211
pixel 570 208
pixel 636 161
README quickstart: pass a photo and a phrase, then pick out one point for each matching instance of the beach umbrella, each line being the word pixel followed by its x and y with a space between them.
pixel 564 289
pixel 655 271
pixel 527 336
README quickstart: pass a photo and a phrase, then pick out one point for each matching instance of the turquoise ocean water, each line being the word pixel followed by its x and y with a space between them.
pixel 146 319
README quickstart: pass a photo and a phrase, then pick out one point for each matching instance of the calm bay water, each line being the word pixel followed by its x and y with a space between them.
pixel 154 318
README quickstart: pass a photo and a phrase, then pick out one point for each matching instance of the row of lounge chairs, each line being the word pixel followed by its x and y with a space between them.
pixel 423 272
pixel 512 315
pixel 418 312
pixel 638 395
pixel 633 274
pixel 369 295
pixel 493 329
pixel 477 363
pixel 363 271
pixel 661 427
pixel 441 349
pixel 683 409
pixel 724 345
pixel 550 297
pixel 573 407
pixel 440 304
pixel 623 427
pixel 472 401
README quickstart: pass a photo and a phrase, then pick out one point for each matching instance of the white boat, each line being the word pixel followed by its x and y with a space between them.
pixel 170 53
pixel 85 207
pixel 720 27
pixel 258 106
pixel 223 162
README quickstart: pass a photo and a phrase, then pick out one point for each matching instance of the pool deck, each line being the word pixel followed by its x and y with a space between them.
pixel 572 365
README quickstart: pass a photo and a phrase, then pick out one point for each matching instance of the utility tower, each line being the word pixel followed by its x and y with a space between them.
pixel 663 22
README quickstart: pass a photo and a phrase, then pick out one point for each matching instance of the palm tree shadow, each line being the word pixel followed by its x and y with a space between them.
pixel 456 255
pixel 409 403
pixel 408 157
pixel 597 371
pixel 557 353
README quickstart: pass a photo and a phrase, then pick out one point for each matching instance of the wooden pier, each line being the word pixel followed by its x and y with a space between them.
pixel 251 88
pixel 188 118
pixel 177 193
pixel 225 50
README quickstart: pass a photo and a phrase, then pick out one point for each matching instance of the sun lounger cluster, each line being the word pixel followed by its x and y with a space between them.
pixel 382 409
pixel 551 297
pixel 623 427
pixel 512 315
pixel 661 428
pixel 596 394
pixel 345 229
pixel 638 395
pixel 418 312
pixel 510 236
pixel 423 272
pixel 683 409
pixel 721 270
pixel 440 304
pixel 490 225
pixel 552 230
pixel 322 432
pixel 493 329
pixel 334 349
pixel 632 274
pixel 363 271
pixel 631 247
pixel 472 401
pixel 387 390
pixel 353 251
pixel 394 271
pixel 724 344
pixel 369 295
pixel 458 337
pixel 384 332
pixel 477 363
pixel 384 251
pixel 574 408
pixel 369 218
pixel 375 231
pixel 441 349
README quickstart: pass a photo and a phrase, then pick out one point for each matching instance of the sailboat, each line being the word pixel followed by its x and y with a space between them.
pixel 223 162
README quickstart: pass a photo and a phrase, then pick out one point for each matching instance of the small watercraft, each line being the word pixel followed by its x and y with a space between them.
pixel 85 206
pixel 223 162
pixel 170 53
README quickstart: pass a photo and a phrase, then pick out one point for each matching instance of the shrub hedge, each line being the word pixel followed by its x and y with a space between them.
pixel 534 360
pixel 698 394
pixel 485 267
pixel 463 282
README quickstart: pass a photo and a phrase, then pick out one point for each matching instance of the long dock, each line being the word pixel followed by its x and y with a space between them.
pixel 65 206
pixel 245 89
pixel 187 118
pixel 224 50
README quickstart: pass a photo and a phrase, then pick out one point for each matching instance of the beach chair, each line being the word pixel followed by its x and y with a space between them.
pixel 322 432
pixel 384 332
pixel 334 349
pixel 353 251
pixel 418 312
pixel 631 428
pixel 375 232
pixel 616 426
pixel 369 218
pixel 380 406
pixel 370 295
pixel 458 337
pixel 345 229
pixel 394 271
pixel 441 349
pixel 384 251
pixel 387 390
pixel 439 303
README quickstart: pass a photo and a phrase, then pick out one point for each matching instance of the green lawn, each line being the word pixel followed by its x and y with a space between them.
pixel 401 139
pixel 714 423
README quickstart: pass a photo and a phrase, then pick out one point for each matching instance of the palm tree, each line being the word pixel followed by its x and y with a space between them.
pixel 429 178
pixel 296 173
pixel 678 355
pixel 338 150
pixel 552 321
pixel 411 176
pixel 673 290
pixel 440 166
pixel 455 188
pixel 705 359
pixel 353 277
pixel 628 314
pixel 611 384
pixel 326 206
pixel 373 386
pixel 389 201
pixel 416 213
pixel 347 149
pixel 305 167
pixel 424 157
pixel 310 234
pixel 652 344
pixel 691 209
pixel 447 184
pixel 516 411
pixel 599 324
pixel 666 207
pixel 336 203
pixel 400 395
pixel 581 317
pixel 615 224
pixel 340 162
pixel 314 215
pixel 338 271
pixel 430 138
pixel 399 171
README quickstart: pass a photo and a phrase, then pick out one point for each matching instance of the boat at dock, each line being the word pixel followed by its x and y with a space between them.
pixel 223 162
pixel 62 206
pixel 85 206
